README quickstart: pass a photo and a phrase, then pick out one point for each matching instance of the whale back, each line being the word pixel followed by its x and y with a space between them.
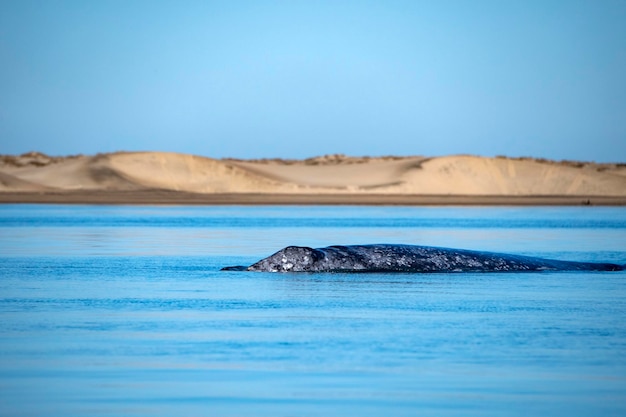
pixel 409 258
pixel 412 258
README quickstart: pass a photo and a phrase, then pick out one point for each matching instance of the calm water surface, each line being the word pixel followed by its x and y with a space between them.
pixel 122 311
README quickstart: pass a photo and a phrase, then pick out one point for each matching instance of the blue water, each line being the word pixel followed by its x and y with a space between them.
pixel 122 311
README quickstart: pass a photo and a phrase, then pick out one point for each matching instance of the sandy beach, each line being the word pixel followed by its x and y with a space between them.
pixel 171 178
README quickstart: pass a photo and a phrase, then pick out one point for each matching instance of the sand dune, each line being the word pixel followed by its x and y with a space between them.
pixel 470 175
pixel 377 174
pixel 9 182
pixel 335 174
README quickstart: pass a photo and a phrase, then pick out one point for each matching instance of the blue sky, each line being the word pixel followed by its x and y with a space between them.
pixel 295 79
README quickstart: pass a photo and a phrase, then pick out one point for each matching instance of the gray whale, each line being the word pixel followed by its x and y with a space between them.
pixel 409 258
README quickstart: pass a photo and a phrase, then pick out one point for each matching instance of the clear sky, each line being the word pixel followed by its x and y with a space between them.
pixel 295 79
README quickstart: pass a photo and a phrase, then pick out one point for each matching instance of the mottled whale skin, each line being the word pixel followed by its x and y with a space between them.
pixel 409 258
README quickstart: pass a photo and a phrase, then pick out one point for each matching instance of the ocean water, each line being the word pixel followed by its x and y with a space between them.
pixel 122 311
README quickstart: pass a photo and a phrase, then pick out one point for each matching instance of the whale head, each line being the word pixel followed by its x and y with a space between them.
pixel 289 259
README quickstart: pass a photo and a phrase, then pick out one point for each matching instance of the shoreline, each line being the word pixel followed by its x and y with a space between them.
pixel 167 197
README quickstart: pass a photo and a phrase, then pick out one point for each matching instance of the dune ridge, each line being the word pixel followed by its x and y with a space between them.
pixel 460 175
